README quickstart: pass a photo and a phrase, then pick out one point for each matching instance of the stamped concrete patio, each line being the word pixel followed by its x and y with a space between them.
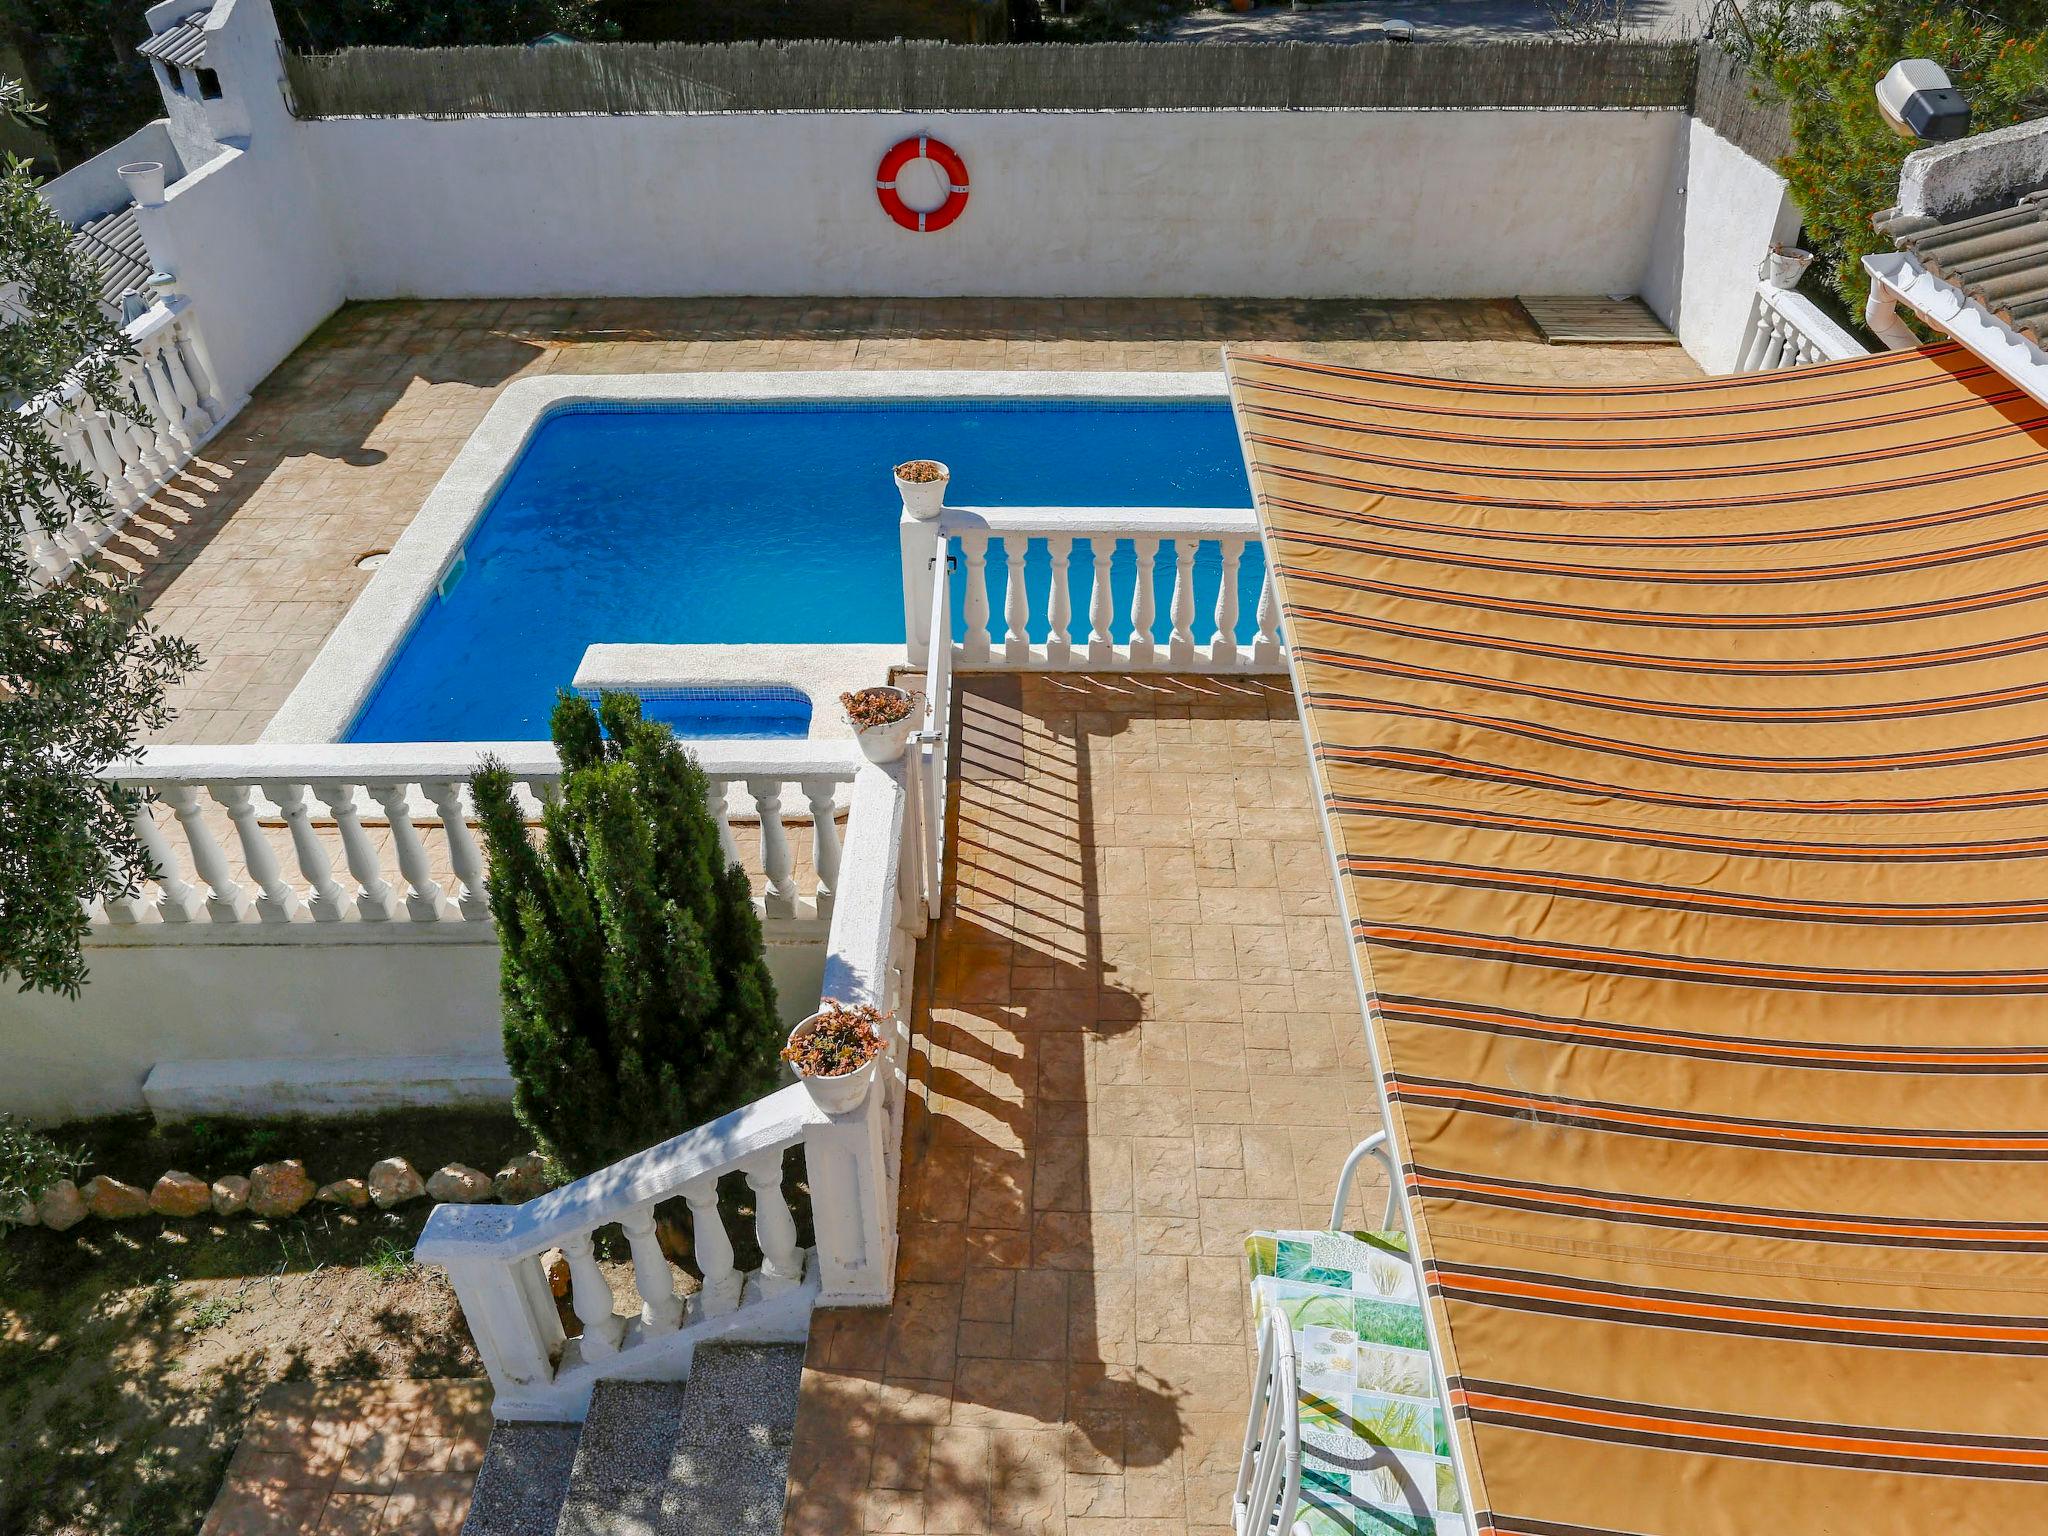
pixel 1142 1042
pixel 251 553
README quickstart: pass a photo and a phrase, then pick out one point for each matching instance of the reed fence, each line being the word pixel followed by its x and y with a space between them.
pixel 820 76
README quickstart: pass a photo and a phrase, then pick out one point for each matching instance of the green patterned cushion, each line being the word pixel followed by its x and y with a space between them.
pixel 1375 1439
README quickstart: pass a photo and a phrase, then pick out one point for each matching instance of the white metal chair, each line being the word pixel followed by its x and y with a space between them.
pixel 1269 1472
pixel 1375 1145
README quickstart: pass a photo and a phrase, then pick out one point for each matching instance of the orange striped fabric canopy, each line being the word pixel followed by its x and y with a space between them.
pixel 1685 757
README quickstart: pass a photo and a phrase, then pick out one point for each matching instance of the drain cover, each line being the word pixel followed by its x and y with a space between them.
pixel 372 560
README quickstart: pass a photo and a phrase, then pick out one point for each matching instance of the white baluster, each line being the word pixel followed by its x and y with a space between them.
pixel 776 859
pixel 1223 646
pixel 50 557
pixel 1144 603
pixel 977 643
pixel 159 405
pixel 135 435
pixel 661 1309
pixel 1758 339
pixel 1774 354
pixel 191 414
pixel 592 1299
pixel 464 857
pixel 722 1282
pixel 721 811
pixel 1266 650
pixel 278 902
pixel 226 901
pixel 424 898
pixel 325 899
pixel 1180 648
pixel 824 838
pixel 782 1262
pixel 177 900
pixel 375 900
pixel 1100 646
pixel 195 369
pixel 1016 602
pixel 106 455
pixel 1059 640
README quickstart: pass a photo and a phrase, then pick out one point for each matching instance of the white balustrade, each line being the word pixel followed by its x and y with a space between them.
pixel 493 1253
pixel 1788 330
pixel 1199 544
pixel 265 829
pixel 171 413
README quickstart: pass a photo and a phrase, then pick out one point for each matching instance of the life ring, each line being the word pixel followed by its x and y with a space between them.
pixel 923 147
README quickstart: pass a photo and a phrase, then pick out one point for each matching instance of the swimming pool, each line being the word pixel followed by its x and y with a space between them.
pixel 731 522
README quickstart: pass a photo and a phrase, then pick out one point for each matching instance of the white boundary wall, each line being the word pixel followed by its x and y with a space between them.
pixel 1394 204
pixel 294 217
pixel 318 996
pixel 1722 212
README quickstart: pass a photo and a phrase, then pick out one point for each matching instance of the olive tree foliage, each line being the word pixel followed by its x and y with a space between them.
pixel 82 672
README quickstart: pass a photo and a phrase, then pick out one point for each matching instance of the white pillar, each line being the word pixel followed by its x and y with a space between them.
pixel 920 544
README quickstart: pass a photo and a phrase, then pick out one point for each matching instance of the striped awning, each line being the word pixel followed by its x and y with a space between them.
pixel 1685 756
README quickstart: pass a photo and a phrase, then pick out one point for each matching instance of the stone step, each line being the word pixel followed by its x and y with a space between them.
pixel 622 1461
pixel 524 1479
pixel 730 1472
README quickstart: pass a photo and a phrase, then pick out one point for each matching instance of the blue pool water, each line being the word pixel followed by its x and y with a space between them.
pixel 771 522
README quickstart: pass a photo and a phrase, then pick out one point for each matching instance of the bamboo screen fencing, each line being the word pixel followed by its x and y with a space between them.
pixel 614 78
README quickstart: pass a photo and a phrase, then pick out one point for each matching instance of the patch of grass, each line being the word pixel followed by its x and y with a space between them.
pixel 390 1262
pixel 161 1298
pixel 212 1312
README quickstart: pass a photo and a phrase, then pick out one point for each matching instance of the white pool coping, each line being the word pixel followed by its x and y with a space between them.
pixel 339 682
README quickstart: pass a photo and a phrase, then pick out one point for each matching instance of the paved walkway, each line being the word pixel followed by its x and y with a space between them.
pixel 1142 1043
pixel 252 553
pixel 397 1458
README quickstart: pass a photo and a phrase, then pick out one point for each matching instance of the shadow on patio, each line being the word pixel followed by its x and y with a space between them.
pixel 1141 1042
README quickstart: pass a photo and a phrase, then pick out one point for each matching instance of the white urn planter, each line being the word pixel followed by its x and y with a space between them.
pixel 144 181
pixel 884 743
pixel 1785 265
pixel 923 499
pixel 840 1094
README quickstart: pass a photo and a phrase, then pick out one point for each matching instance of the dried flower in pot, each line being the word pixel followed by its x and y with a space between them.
pixel 834 1053
pixel 922 485
pixel 882 720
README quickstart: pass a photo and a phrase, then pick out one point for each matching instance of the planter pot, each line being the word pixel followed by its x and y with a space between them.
pixel 923 499
pixel 1784 266
pixel 885 743
pixel 839 1095
pixel 144 181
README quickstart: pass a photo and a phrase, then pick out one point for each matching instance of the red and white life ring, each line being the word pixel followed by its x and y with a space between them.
pixel 943 155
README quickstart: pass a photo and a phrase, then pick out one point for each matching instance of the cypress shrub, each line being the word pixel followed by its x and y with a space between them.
pixel 636 996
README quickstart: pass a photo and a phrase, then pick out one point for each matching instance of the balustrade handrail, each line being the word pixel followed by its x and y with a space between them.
pixel 467 1232
pixel 129 455
pixel 1788 330
pixel 1078 621
pixel 1829 339
pixel 1164 522
pixel 419 785
pixel 266 761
